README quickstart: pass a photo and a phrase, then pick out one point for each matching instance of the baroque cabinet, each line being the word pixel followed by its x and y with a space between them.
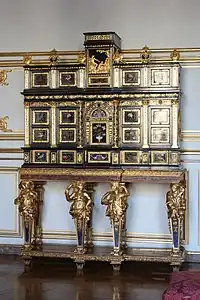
pixel 95 119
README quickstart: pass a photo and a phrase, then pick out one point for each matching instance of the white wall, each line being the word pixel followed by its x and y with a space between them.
pixel 47 24
pixel 38 25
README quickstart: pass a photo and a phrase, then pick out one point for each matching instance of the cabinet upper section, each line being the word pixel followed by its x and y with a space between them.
pixel 101 66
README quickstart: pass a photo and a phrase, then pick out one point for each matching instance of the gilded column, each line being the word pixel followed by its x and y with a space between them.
pixel 80 125
pixel 27 79
pixel 26 124
pixel 116 202
pixel 175 108
pixel 116 77
pixel 176 205
pixel 145 124
pixel 53 78
pixel 115 124
pixel 80 210
pixel 81 77
pixel 53 125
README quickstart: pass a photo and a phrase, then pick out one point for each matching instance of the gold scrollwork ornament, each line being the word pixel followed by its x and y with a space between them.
pixel 27 60
pixel 54 57
pixel 175 55
pixel 4 124
pixel 175 202
pixel 80 210
pixel 145 54
pixel 3 77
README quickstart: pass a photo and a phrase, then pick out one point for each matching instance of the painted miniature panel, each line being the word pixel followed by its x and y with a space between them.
pixel 160 77
pixel 98 133
pixel 159 158
pixel 67 78
pixel 40 156
pixel 99 157
pixel 130 157
pixel 40 135
pixel 160 135
pixel 67 135
pixel 67 117
pixel 68 157
pixel 40 117
pixel 40 79
pixel 160 116
pixel 131 135
pixel 131 116
pixel 131 77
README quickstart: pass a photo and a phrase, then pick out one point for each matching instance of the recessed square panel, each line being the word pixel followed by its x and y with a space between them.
pixel 159 157
pixel 67 135
pixel 40 79
pixel 160 116
pixel 160 135
pixel 131 116
pixel 40 117
pixel 67 78
pixel 131 77
pixel 40 135
pixel 40 156
pixel 68 157
pixel 131 135
pixel 68 117
pixel 160 77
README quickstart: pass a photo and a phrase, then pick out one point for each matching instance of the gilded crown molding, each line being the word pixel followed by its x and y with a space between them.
pixel 185 56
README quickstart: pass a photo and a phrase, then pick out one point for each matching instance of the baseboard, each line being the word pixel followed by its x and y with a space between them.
pixel 193 257
pixel 10 249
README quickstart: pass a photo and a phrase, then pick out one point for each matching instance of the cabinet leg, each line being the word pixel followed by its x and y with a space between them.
pixel 176 268
pixel 80 210
pixel 116 267
pixel 27 264
pixel 79 266
pixel 176 205
pixel 116 202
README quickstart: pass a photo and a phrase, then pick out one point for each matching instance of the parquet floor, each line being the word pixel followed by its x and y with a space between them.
pixel 58 280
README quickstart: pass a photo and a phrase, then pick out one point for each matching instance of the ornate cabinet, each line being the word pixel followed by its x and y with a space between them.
pixel 101 118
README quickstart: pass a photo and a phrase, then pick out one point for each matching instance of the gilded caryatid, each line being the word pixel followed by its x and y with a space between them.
pixel 116 202
pixel 80 210
pixel 28 208
pixel 176 205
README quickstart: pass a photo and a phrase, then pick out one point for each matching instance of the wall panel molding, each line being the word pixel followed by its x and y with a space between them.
pixel 17 230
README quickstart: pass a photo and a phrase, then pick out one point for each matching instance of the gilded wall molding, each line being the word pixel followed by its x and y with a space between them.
pixel 150 238
pixel 183 55
pixel 17 231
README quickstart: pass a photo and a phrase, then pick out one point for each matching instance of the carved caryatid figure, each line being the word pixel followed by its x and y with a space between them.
pixel 116 201
pixel 28 207
pixel 80 210
pixel 176 205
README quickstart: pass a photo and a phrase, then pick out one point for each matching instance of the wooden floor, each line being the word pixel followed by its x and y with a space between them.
pixel 58 280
